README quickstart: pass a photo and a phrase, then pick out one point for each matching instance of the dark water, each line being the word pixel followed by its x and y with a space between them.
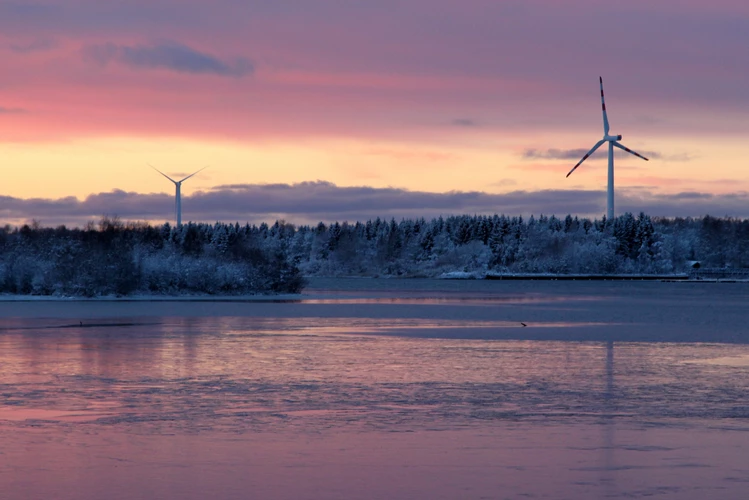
pixel 363 391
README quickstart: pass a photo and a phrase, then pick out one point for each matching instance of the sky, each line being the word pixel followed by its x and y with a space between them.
pixel 312 110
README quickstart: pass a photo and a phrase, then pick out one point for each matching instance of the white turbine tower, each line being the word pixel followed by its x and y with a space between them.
pixel 178 192
pixel 613 142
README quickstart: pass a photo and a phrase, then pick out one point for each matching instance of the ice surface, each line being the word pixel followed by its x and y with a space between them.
pixel 381 389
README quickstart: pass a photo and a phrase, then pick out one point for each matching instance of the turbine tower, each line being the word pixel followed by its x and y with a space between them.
pixel 178 192
pixel 613 141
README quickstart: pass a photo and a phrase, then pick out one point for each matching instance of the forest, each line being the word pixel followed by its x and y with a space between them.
pixel 117 258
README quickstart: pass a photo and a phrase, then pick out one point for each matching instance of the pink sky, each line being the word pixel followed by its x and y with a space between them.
pixel 430 96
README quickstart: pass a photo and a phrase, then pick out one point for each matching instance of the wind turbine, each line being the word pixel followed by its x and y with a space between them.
pixel 178 192
pixel 613 142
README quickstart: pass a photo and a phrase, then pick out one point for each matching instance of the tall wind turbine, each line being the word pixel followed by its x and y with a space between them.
pixel 178 192
pixel 613 142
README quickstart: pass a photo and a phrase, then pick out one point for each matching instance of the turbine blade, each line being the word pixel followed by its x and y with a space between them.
pixel 593 150
pixel 625 148
pixel 603 107
pixel 183 180
pixel 162 173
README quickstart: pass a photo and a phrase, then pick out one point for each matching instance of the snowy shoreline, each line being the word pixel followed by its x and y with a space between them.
pixel 365 285
pixel 562 277
pixel 152 298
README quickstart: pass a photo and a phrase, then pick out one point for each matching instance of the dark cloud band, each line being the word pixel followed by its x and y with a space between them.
pixel 169 55
pixel 310 202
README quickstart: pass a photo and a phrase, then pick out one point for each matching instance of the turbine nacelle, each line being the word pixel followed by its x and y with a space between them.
pixel 612 138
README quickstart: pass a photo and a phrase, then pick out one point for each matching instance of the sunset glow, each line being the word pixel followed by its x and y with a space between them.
pixel 438 96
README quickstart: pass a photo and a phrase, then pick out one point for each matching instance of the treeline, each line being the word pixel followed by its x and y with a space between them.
pixel 113 258
pixel 122 259
pixel 571 245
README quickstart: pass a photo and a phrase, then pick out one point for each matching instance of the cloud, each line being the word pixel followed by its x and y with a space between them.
pixel 310 202
pixel 168 55
pixel 37 45
pixel 576 154
pixel 692 195
pixel 11 111
pixel 679 157
pixel 464 122
pixel 554 154
pixel 519 70
pixel 505 183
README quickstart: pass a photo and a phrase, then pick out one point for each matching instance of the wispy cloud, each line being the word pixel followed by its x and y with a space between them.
pixel 464 122
pixel 576 154
pixel 11 111
pixel 505 183
pixel 167 55
pixel 554 154
pixel 36 45
pixel 310 202
pixel 679 157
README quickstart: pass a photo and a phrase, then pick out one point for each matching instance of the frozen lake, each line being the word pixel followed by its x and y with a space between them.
pixel 365 389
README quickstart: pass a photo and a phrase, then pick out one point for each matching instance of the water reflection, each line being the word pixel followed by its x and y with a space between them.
pixel 296 365
pixel 608 477
pixel 292 405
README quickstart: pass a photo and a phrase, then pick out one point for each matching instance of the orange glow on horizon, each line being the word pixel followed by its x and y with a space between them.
pixel 84 166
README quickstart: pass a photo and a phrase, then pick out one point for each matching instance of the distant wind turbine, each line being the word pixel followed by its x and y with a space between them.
pixel 613 141
pixel 178 192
